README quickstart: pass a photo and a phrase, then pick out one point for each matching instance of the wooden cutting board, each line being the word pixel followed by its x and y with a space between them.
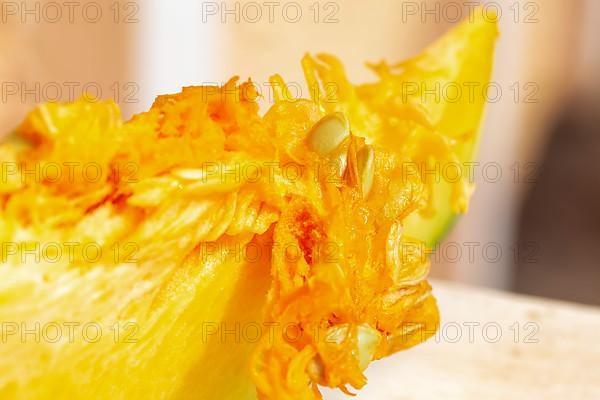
pixel 494 345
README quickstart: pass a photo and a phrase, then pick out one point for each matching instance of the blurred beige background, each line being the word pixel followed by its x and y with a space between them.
pixel 140 49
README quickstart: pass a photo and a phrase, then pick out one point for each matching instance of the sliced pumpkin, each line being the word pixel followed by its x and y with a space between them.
pixel 175 304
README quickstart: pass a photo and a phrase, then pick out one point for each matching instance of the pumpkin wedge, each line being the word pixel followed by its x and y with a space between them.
pixel 202 250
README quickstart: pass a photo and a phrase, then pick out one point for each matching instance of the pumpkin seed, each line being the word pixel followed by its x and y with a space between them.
pixel 339 162
pixel 367 338
pixel 365 158
pixel 190 174
pixel 328 133
pixel 350 173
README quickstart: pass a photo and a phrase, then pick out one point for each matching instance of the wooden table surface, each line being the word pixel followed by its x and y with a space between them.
pixel 494 345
